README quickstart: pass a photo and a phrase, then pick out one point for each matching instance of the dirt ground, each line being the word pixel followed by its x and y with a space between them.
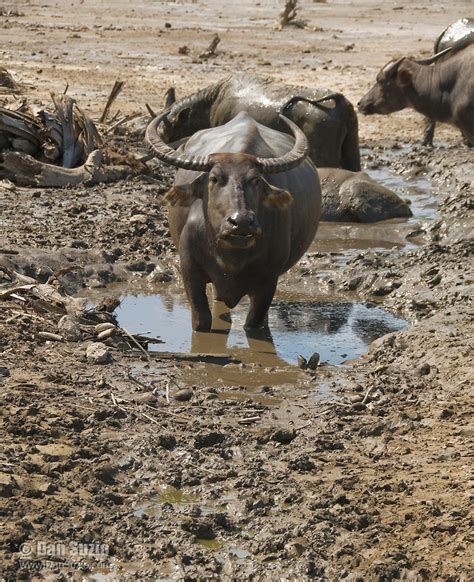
pixel 126 470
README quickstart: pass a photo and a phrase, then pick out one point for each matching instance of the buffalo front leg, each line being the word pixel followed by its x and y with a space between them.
pixel 259 305
pixel 195 282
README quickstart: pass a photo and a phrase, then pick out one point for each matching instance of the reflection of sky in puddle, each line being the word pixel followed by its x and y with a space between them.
pixel 417 189
pixel 338 331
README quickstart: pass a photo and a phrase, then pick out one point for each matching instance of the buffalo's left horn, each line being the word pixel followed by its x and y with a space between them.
pixel 434 58
pixel 169 155
pixel 292 158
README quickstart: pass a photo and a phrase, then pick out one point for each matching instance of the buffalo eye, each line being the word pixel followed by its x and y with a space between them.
pixel 255 181
pixel 217 179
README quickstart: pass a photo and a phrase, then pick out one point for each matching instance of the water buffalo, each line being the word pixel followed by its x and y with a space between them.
pixel 355 197
pixel 244 207
pixel 441 87
pixel 459 30
pixel 327 118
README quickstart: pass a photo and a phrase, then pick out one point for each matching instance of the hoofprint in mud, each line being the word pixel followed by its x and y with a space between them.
pixel 122 469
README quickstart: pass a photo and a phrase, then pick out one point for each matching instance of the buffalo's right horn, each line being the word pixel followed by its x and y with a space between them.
pixel 291 159
pixel 169 155
pixel 390 68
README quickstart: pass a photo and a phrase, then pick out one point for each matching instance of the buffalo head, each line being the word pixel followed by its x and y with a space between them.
pixel 389 93
pixel 232 186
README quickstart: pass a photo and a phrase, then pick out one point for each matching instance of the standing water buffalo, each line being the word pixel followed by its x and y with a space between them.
pixel 452 34
pixel 327 118
pixel 441 87
pixel 244 207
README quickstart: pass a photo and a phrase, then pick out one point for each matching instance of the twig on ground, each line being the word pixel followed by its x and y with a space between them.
pixel 141 348
pixel 116 89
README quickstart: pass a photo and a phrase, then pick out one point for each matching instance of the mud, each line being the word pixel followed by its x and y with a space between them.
pixel 174 469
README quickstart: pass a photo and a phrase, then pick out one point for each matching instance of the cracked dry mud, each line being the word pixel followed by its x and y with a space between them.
pixel 357 472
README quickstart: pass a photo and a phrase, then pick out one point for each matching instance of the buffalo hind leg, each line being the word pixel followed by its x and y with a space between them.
pixel 429 133
pixel 259 305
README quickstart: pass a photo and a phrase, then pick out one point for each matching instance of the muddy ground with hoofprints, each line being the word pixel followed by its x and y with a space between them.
pixel 151 452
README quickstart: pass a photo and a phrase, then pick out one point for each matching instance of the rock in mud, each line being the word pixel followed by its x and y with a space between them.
pixel 69 328
pixel 284 435
pixel 183 395
pixel 424 370
pixel 208 439
pixel 97 353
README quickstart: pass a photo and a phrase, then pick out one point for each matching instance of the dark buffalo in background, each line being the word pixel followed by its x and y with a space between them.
pixel 441 87
pixel 244 207
pixel 327 118
pixel 459 30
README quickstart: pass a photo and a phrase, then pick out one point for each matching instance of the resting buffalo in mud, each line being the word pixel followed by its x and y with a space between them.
pixel 441 87
pixel 327 118
pixel 452 34
pixel 355 197
pixel 244 207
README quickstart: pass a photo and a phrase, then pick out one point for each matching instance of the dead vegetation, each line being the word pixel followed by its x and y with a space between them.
pixel 288 16
pixel 61 146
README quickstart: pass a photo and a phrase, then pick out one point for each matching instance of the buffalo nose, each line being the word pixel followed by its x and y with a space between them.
pixel 242 219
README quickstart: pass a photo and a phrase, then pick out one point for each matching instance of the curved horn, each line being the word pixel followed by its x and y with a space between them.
pixel 318 101
pixel 390 69
pixel 292 158
pixel 434 58
pixel 169 155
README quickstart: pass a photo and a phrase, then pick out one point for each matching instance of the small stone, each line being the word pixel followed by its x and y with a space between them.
pixel 313 361
pixel 145 398
pixel 106 473
pixel 69 328
pixel 284 435
pixel 103 335
pixel 356 398
pixel 100 327
pixel 424 369
pixel 412 415
pixel 166 441
pixel 301 361
pixel 97 353
pixel 139 219
pixel 358 406
pixel 183 395
pixel 137 266
pixel 7 485
pixel 50 337
pixel 208 439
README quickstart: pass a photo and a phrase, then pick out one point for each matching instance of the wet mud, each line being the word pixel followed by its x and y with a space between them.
pixel 218 457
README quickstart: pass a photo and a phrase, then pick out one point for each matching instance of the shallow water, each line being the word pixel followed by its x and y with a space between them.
pixel 338 331
pixel 354 237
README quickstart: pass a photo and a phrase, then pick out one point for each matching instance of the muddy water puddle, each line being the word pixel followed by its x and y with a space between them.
pixel 338 331
pixel 351 238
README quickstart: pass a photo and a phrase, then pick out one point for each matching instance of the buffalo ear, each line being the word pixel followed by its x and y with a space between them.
pixel 404 75
pixel 276 197
pixel 185 194
pixel 178 196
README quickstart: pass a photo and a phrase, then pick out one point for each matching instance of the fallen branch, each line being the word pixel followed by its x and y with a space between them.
pixel 27 171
